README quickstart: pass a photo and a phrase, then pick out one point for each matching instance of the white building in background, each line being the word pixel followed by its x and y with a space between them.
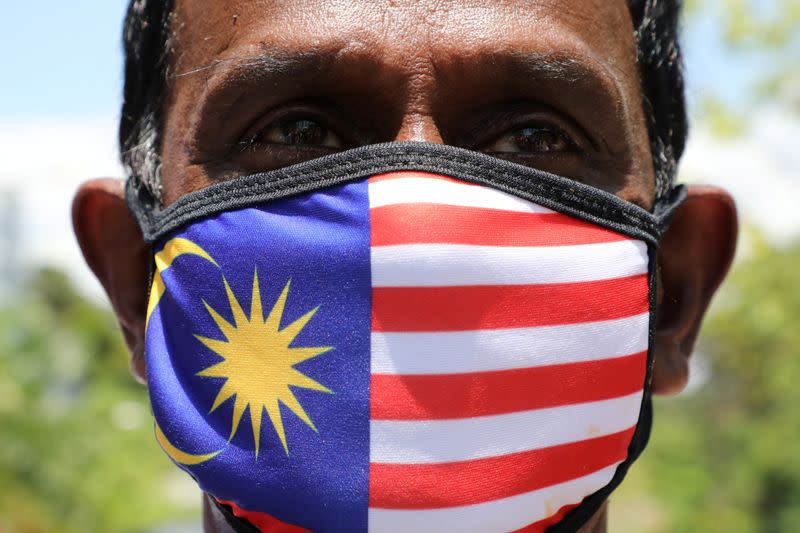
pixel 42 163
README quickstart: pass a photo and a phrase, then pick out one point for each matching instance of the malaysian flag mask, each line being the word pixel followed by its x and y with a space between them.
pixel 402 337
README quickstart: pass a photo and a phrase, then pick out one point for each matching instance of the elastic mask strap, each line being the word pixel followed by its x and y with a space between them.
pixel 239 525
pixel 555 192
pixel 665 209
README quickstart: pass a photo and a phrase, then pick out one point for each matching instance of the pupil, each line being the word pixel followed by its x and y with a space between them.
pixel 303 132
pixel 533 139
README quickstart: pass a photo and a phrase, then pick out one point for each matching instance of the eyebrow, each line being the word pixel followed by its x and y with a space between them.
pixel 551 65
pixel 275 62
pixel 268 61
pixel 568 69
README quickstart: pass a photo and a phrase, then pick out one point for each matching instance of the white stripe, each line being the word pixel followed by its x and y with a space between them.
pixel 413 190
pixel 464 439
pixel 507 514
pixel 455 352
pixel 447 265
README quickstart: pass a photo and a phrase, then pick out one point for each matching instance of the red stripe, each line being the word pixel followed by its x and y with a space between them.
pixel 263 521
pixel 434 486
pixel 463 308
pixel 389 176
pixel 437 397
pixel 542 525
pixel 452 224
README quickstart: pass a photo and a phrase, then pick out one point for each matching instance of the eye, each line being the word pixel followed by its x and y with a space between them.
pixel 533 139
pixel 298 132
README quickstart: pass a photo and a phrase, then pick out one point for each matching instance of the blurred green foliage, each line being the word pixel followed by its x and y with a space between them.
pixel 767 33
pixel 750 23
pixel 765 36
pixel 725 457
pixel 77 452
pixel 721 121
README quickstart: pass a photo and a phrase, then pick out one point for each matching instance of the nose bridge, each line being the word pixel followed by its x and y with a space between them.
pixel 418 121
pixel 413 53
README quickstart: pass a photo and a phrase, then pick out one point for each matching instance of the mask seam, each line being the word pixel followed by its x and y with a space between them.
pixel 303 178
pixel 293 180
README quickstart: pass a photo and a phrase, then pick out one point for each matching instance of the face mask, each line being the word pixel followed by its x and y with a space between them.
pixel 402 337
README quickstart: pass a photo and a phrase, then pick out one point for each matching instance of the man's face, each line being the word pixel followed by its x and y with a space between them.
pixel 550 84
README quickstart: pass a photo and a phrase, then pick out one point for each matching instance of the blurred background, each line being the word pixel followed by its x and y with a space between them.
pixel 77 452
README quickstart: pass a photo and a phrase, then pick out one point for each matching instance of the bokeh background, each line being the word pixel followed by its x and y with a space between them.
pixel 77 453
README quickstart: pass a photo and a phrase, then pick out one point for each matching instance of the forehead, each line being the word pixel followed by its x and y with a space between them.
pixel 405 31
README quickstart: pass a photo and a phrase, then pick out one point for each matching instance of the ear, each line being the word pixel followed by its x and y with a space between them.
pixel 113 246
pixel 694 258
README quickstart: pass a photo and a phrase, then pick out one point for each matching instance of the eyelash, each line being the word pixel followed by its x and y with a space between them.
pixel 251 143
pixel 250 140
pixel 558 132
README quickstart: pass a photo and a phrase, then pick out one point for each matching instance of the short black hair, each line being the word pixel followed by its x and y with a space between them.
pixel 147 40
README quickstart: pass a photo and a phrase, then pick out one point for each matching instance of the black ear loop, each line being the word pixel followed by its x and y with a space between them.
pixel 239 525
pixel 549 190
pixel 573 520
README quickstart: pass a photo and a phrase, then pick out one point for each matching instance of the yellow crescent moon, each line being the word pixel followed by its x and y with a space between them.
pixel 172 250
pixel 164 259
pixel 179 456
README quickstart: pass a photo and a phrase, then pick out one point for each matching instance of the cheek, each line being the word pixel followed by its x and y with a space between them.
pixel 175 169
pixel 178 178
pixel 179 172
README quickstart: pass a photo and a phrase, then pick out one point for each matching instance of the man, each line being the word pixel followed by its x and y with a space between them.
pixel 586 89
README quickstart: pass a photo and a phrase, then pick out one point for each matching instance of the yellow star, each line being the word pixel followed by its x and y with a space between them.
pixel 258 363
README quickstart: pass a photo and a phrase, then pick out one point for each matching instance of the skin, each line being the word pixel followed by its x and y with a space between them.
pixel 256 85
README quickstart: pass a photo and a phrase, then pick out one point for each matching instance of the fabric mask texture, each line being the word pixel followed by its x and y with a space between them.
pixel 402 337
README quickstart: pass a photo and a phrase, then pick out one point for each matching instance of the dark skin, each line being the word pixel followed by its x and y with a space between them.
pixel 553 84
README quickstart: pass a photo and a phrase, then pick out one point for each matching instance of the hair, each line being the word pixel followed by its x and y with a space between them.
pixel 147 44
